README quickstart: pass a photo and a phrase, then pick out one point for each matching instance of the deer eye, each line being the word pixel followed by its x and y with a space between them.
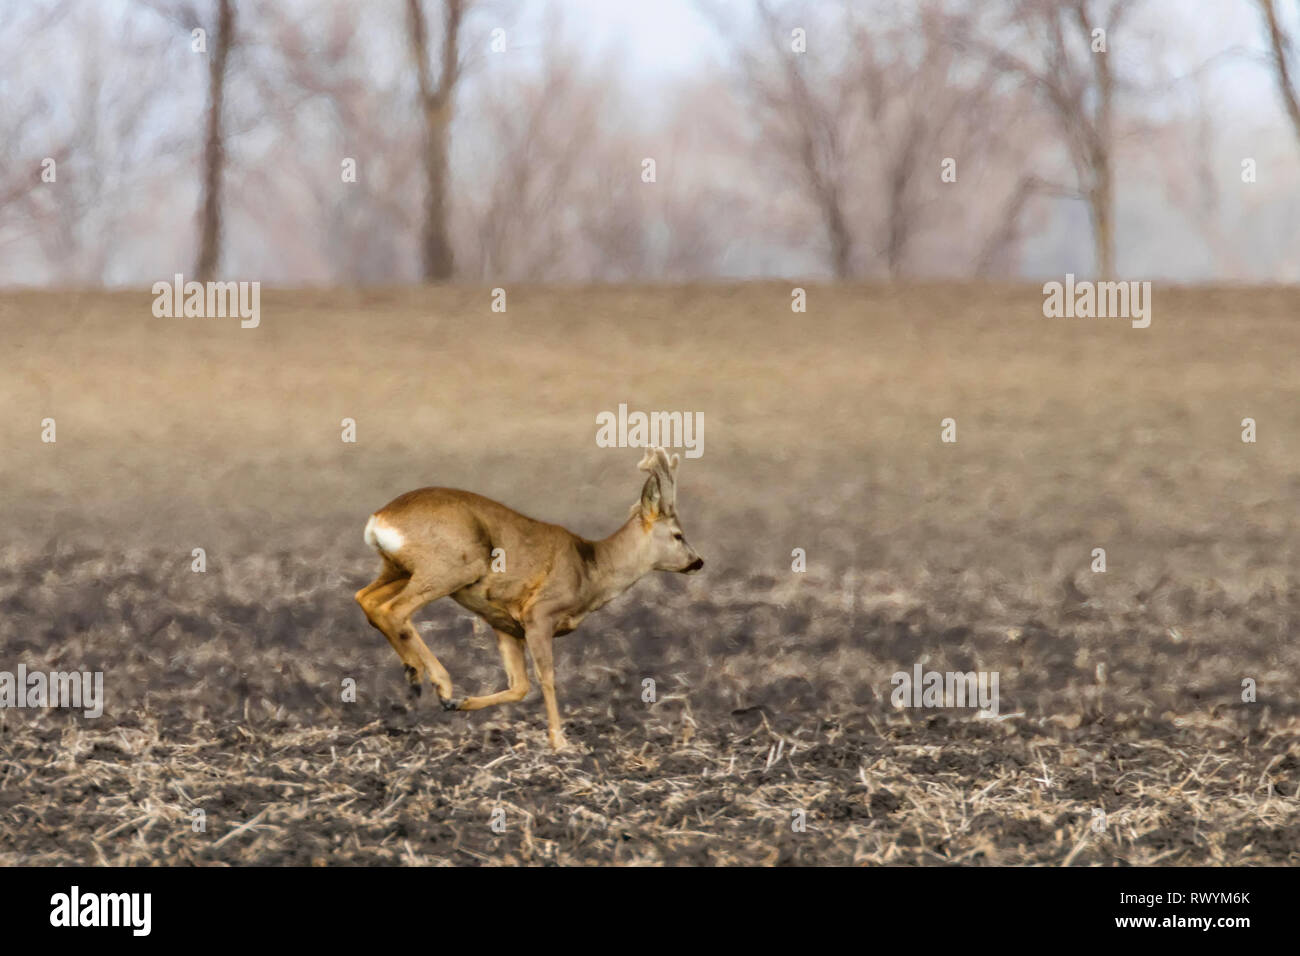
pixel 677 536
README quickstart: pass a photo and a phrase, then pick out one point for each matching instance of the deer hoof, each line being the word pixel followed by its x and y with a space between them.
pixel 452 703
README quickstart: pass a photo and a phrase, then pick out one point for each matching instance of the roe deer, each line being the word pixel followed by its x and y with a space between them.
pixel 440 542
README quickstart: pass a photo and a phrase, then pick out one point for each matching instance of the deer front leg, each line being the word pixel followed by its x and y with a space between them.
pixel 512 656
pixel 539 636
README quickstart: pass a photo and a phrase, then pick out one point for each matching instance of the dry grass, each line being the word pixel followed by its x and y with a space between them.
pixel 1120 692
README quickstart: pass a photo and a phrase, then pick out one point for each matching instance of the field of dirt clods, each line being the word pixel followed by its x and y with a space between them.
pixel 738 716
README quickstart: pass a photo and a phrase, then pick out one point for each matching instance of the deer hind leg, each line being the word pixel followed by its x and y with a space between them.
pixel 370 598
pixel 393 617
pixel 389 573
pixel 512 656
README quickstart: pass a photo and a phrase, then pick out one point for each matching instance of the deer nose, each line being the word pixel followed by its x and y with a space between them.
pixel 695 565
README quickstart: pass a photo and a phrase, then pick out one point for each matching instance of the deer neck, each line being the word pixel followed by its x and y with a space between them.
pixel 621 560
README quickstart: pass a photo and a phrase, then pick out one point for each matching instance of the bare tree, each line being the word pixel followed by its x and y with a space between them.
pixel 86 122
pixel 316 80
pixel 860 120
pixel 920 104
pixel 27 134
pixel 436 103
pixel 1059 48
pixel 536 133
pixel 995 253
pixel 549 192
pixel 804 107
pixel 220 42
pixel 1282 45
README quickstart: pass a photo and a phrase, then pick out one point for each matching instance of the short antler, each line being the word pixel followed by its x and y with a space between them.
pixel 664 469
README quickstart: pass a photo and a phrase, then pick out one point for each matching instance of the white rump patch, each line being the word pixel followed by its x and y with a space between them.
pixel 381 537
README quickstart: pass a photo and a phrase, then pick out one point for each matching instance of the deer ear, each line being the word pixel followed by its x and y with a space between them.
pixel 650 498
pixel 674 462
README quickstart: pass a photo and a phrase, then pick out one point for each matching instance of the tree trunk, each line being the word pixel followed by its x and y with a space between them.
pixel 1101 204
pixel 896 241
pixel 898 223
pixel 1280 44
pixel 437 261
pixel 214 147
pixel 837 230
pixel 1101 159
pixel 436 258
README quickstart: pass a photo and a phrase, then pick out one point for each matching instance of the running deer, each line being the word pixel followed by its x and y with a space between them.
pixel 543 580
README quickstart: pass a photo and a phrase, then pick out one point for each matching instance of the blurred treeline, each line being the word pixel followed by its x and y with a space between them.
pixel 340 142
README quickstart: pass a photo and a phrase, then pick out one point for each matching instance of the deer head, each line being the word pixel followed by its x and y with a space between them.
pixel 669 550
